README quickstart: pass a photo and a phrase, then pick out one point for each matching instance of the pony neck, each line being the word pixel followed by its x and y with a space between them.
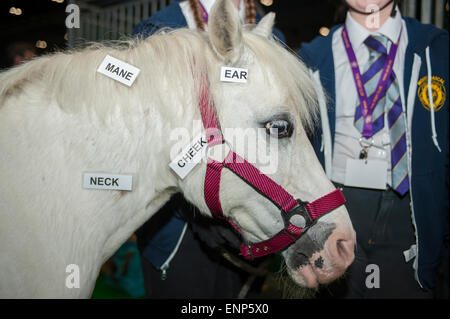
pixel 155 183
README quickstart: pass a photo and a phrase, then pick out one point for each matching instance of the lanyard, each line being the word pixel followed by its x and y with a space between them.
pixel 366 108
pixel 204 12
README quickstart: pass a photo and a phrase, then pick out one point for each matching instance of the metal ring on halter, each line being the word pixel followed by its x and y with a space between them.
pixel 300 214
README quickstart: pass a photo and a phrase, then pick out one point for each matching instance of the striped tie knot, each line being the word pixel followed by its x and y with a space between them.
pixel 370 77
pixel 377 43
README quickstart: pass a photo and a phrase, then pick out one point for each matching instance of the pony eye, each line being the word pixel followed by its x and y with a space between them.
pixel 279 128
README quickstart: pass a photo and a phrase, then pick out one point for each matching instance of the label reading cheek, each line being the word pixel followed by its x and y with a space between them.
pixel 237 75
pixel 190 156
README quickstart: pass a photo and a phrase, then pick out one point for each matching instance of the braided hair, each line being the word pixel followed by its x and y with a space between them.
pixel 250 13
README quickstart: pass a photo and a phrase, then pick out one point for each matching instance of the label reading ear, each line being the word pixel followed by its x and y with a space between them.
pixel 237 75
pixel 118 70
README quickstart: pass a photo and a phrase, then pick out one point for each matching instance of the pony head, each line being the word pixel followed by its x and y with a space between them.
pixel 271 113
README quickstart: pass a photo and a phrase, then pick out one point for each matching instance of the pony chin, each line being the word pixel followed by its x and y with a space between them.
pixel 304 276
pixel 313 260
pixel 311 276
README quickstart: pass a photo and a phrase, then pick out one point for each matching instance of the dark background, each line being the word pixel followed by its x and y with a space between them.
pixel 299 20
pixel 44 20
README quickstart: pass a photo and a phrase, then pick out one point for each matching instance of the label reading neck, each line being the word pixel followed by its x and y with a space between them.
pixel 118 70
pixel 107 181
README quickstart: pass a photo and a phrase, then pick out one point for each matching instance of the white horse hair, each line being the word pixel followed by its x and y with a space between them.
pixel 60 118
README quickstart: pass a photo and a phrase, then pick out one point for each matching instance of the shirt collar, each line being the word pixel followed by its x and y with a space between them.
pixel 392 27
pixel 207 4
pixel 357 33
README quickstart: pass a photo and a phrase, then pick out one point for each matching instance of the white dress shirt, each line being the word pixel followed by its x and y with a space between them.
pixel 346 142
pixel 207 4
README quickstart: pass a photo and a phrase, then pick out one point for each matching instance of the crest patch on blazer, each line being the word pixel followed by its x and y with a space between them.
pixel 437 89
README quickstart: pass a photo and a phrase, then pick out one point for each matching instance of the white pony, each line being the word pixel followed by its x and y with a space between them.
pixel 59 118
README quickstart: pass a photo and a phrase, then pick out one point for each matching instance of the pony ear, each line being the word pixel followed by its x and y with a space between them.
pixel 225 30
pixel 265 26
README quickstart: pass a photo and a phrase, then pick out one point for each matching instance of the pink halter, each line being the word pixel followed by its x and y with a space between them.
pixel 288 205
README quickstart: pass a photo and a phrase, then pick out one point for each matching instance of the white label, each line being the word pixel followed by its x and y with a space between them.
pixel 190 156
pixel 108 181
pixel 410 253
pixel 118 70
pixel 229 74
pixel 366 174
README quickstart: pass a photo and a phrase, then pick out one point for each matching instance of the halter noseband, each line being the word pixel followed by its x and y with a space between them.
pixel 288 205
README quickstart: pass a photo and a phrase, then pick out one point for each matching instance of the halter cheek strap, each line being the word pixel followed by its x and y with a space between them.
pixel 288 205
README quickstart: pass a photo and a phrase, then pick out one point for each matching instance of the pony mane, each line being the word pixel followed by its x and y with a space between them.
pixel 71 79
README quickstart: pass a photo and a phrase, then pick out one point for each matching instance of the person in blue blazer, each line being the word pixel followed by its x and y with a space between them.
pixel 180 249
pixel 382 82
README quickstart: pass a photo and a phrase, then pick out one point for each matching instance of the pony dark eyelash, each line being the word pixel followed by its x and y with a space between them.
pixel 281 116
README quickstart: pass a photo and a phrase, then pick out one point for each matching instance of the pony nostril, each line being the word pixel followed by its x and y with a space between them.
pixel 346 250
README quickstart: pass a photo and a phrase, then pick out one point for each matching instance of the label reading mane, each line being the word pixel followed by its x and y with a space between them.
pixel 118 70
pixel 229 74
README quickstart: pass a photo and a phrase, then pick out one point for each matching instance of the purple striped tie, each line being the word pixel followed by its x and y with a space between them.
pixel 390 103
